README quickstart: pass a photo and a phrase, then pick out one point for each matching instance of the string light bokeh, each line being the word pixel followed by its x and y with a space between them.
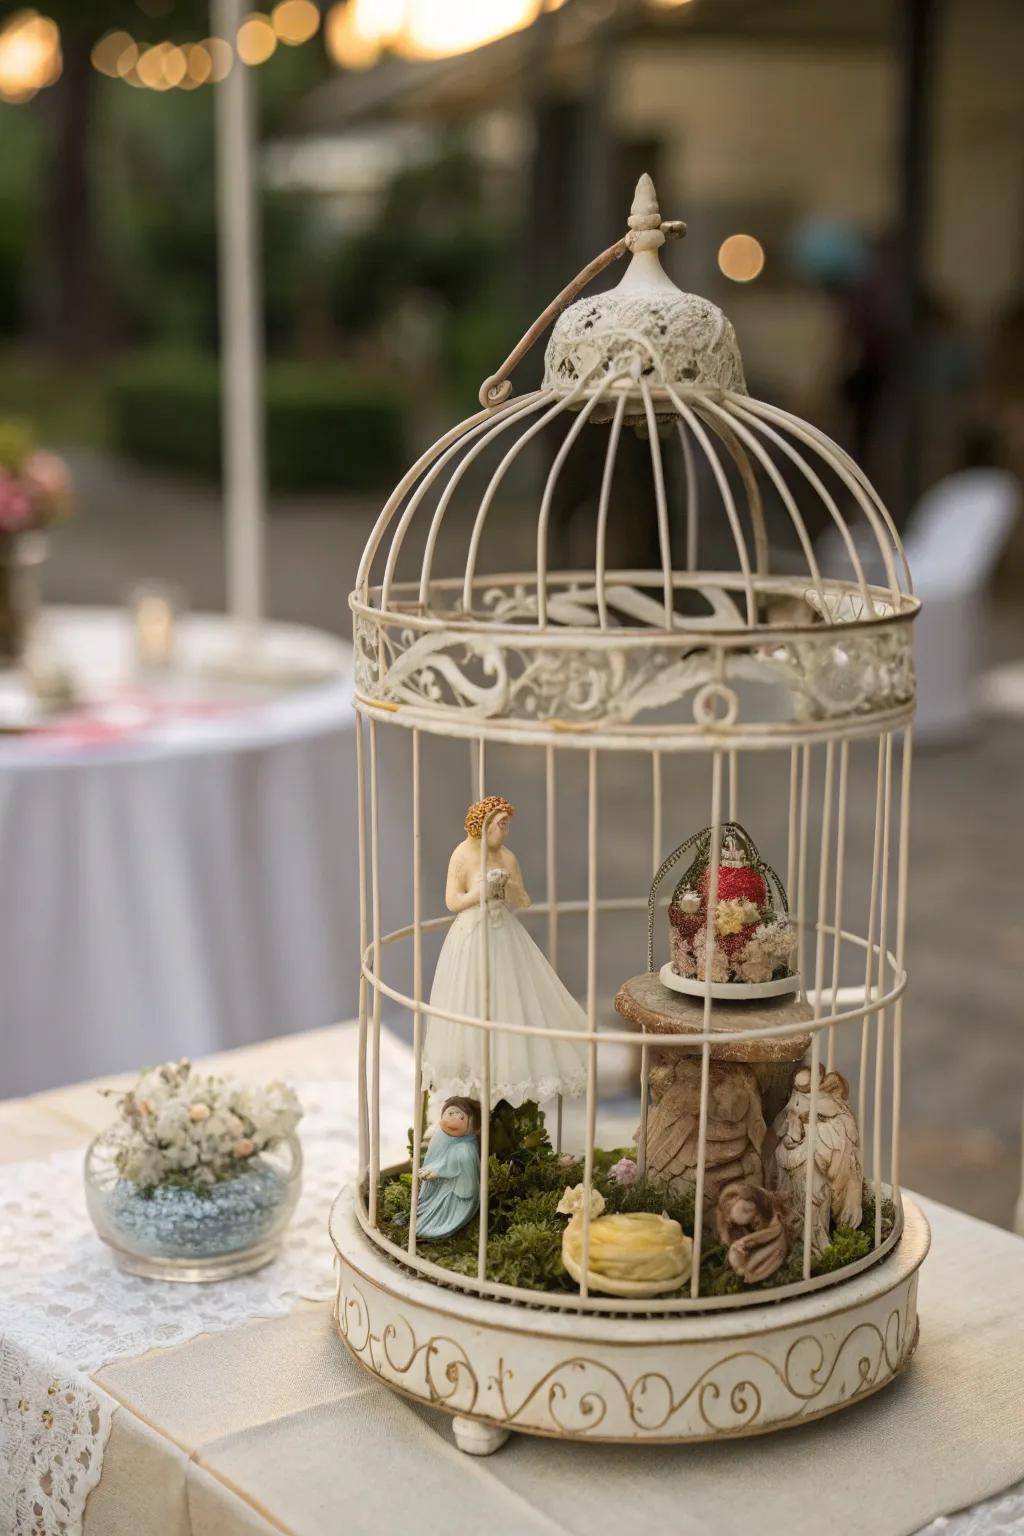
pixel 357 34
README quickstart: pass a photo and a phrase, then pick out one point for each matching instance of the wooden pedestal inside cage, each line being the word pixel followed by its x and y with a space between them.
pixel 748 1080
pixel 641 1379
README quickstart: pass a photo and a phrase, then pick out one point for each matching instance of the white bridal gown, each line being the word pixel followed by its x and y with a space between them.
pixel 524 990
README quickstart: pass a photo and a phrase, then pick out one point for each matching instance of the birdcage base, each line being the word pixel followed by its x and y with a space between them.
pixel 736 991
pixel 639 1379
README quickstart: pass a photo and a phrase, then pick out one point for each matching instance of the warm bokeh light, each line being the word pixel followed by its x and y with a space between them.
pixel 150 68
pixel 107 52
pixel 256 39
pixel 295 21
pixel 669 5
pixel 30 56
pixel 126 62
pixel 221 56
pixel 175 64
pixel 199 65
pixel 436 29
pixel 358 31
pixel 741 258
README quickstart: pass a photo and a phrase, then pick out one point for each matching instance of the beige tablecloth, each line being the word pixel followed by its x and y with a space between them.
pixel 273 1428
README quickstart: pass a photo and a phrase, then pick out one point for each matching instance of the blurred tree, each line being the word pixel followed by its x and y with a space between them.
pixel 86 122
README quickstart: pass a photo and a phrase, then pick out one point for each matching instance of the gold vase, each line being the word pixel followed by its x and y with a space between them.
pixel 21 554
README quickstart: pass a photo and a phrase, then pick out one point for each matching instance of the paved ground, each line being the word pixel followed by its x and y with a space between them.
pixel 963 1056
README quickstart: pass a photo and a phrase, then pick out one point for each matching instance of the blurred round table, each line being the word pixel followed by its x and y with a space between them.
pixel 177 853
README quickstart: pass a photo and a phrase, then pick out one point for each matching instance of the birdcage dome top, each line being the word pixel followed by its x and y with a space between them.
pixel 776 561
pixel 646 324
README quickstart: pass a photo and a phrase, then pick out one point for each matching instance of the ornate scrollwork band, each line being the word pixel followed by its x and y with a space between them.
pixel 475 676
pixel 763 1384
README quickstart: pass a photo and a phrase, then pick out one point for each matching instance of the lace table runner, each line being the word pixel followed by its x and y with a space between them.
pixel 66 1309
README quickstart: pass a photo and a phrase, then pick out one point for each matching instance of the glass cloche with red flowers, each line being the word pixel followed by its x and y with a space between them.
pixel 751 936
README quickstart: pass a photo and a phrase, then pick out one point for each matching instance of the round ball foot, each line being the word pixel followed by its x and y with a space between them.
pixel 478 1439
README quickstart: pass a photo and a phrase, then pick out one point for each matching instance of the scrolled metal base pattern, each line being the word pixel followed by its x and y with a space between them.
pixel 651 1380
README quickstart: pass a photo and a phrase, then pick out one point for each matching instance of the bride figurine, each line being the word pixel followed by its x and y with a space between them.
pixel 524 989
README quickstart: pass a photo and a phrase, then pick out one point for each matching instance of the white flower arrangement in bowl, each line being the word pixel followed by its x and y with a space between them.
pixel 198 1176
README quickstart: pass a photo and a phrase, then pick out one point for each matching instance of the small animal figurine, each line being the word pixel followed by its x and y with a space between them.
pixel 630 1253
pixel 837 1189
pixel 449 1194
pixel 756 1226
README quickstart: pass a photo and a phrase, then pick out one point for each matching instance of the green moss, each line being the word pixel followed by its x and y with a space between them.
pixel 526 1181
pixel 539 1207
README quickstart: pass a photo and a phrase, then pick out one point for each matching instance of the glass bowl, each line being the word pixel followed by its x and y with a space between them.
pixel 173 1233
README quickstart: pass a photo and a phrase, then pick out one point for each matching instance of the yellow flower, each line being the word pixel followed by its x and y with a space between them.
pixel 733 916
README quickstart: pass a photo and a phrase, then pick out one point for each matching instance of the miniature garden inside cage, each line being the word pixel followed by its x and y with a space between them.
pixel 710 892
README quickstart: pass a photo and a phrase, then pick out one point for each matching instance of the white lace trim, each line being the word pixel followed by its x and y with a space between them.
pixel 542 1089
pixel 66 1309
pixel 1003 1516
pixel 54 1425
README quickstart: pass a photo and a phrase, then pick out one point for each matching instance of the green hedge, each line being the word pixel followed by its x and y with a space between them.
pixel 327 428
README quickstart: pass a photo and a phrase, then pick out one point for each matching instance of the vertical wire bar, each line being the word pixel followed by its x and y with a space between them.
pixel 417 987
pixel 865 1028
pixel 901 929
pixel 481 768
pixel 657 804
pixel 837 902
pixel 364 1113
pixel 375 1055
pixel 791 841
pixel 600 558
pixel 692 525
pixel 812 1137
pixel 801 878
pixel 657 786
pixel 484 1014
pixel 588 1155
pixel 823 873
pixel 734 785
pixel 819 972
pixel 661 507
pixel 551 796
pixel 883 936
pixel 705 1053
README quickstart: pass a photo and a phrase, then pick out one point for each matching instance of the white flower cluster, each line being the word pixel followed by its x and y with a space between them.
pixel 771 947
pixel 178 1126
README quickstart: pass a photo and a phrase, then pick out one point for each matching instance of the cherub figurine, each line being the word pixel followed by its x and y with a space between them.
pixel 755 1226
pixel 837 1190
pixel 450 1173
pixel 522 986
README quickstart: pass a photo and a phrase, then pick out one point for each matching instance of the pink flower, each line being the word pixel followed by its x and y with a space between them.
pixel 47 480
pixel 15 505
pixel 567 1160
pixel 625 1171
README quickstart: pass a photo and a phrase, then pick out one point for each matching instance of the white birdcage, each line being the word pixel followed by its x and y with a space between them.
pixel 772 672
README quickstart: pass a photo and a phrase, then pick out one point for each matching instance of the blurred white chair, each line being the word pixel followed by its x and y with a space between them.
pixel 953 540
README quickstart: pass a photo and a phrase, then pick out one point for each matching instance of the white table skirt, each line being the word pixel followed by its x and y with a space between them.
pixel 186 887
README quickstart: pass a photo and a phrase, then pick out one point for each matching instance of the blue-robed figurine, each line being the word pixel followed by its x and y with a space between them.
pixel 450 1173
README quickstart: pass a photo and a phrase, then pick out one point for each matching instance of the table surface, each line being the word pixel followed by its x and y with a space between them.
pixel 272 1428
pixel 188 840
pixel 205 701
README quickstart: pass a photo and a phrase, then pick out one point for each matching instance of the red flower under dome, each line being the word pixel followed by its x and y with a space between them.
pixel 736 883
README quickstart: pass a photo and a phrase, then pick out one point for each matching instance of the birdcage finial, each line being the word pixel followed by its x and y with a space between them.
pixel 647 231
